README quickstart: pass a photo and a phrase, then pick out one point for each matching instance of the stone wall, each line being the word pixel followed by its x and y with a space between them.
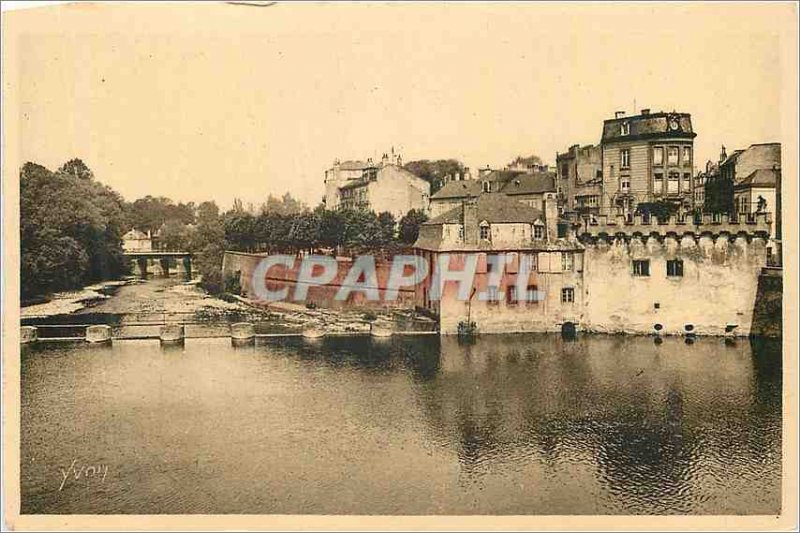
pixel 243 264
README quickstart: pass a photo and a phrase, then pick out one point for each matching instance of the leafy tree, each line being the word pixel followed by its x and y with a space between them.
pixel 661 209
pixel 409 225
pixel 240 230
pixel 286 205
pixel 434 172
pixel 304 231
pixel 70 228
pixel 527 161
pixel 386 223
pixel 331 227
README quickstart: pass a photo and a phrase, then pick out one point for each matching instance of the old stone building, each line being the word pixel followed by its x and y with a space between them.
pixel 137 241
pixel 646 158
pixel 382 187
pixel 734 170
pixel 580 179
pixel 526 187
pixel 500 233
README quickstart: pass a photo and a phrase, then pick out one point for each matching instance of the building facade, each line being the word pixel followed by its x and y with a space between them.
pixel 580 179
pixel 137 241
pixel 385 187
pixel 646 158
pixel 497 231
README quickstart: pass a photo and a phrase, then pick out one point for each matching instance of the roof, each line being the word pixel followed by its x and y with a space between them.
pixel 135 234
pixel 763 177
pixel 355 165
pixel 458 189
pixel 536 183
pixel 352 184
pixel 650 125
pixel 494 208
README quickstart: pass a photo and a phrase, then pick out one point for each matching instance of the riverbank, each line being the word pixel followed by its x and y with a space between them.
pixel 68 302
pixel 171 297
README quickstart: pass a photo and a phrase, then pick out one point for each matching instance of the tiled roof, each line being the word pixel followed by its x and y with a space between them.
pixel 493 208
pixel 458 189
pixel 763 177
pixel 538 182
pixel 354 165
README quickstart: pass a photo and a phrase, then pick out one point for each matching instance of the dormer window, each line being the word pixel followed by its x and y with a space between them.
pixel 625 128
pixel 485 234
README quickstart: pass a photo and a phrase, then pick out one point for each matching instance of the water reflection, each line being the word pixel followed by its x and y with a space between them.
pixel 522 424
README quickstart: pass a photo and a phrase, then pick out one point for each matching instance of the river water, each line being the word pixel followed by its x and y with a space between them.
pixel 517 424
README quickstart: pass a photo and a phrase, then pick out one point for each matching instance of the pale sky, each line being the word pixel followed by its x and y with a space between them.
pixel 219 101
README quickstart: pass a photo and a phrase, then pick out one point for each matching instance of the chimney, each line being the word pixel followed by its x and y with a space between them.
pixel 722 155
pixel 471 230
pixel 619 114
pixel 384 160
pixel 551 215
pixel 467 175
pixel 646 111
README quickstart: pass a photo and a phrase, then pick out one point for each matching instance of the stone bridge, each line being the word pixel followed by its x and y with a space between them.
pixel 144 258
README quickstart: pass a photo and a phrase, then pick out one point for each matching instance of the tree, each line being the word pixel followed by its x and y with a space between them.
pixel 386 223
pixel 410 224
pixel 660 209
pixel 331 227
pixel 70 228
pixel 434 172
pixel 304 231
pixel 286 205
pixel 527 161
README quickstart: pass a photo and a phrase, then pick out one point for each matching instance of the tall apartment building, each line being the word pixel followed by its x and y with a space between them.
pixel 646 158
pixel 580 179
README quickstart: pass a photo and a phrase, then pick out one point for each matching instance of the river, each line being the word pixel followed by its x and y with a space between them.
pixel 515 424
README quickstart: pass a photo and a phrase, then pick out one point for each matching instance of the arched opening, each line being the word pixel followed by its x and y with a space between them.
pixel 569 330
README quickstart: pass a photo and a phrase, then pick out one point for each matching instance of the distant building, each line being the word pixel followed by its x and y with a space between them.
pixel 386 186
pixel 646 158
pixel 580 179
pixel 721 186
pixel 526 187
pixel 137 241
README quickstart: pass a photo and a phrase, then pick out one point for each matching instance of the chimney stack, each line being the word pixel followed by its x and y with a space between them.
pixel 551 215
pixel 619 114
pixel 722 155
pixel 646 111
pixel 471 230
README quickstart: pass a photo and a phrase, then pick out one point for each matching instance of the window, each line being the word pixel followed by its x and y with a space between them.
pixel 532 294
pixel 672 155
pixel 461 233
pixel 567 295
pixel 687 155
pixel 675 268
pixel 492 298
pixel 625 158
pixel 485 232
pixel 641 267
pixel 626 184
pixel 487 186
pixel 567 261
pixel 538 231
pixel 511 295
pixel 565 172
pixel 658 155
pixel 625 128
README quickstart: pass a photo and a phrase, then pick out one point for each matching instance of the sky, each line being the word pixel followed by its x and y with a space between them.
pixel 221 101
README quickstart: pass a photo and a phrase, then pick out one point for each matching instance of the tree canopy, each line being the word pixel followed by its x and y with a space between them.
pixel 70 228
pixel 434 172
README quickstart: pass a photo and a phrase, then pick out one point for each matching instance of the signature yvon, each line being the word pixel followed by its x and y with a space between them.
pixel 84 471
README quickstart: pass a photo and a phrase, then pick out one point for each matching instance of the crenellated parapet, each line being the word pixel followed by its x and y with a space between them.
pixel 756 225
